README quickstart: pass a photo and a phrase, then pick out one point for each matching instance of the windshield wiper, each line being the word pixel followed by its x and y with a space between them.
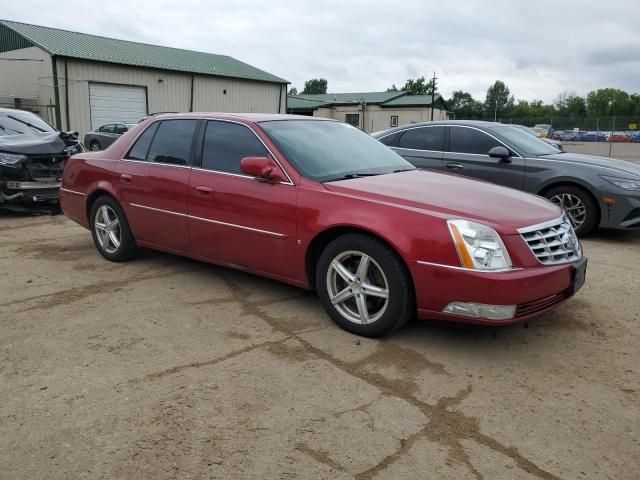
pixel 404 170
pixel 349 176
pixel 27 124
pixel 5 129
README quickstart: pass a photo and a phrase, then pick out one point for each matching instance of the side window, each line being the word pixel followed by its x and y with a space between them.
pixel 394 121
pixel 120 129
pixel 225 144
pixel 141 147
pixel 391 140
pixel 106 128
pixel 469 140
pixel 425 138
pixel 172 142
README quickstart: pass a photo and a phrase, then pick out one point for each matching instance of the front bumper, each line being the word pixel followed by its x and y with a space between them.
pixel 623 214
pixel 532 290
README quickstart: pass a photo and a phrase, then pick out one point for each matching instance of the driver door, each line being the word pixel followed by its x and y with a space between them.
pixel 467 154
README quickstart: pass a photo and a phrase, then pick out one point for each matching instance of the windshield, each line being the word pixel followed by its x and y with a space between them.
pixel 325 150
pixel 19 123
pixel 525 142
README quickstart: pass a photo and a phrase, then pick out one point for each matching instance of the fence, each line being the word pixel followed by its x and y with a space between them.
pixel 612 123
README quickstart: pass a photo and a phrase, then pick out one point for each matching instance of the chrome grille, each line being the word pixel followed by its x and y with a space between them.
pixel 553 242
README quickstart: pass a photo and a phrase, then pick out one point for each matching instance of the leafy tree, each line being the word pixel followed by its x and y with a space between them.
pixel 315 86
pixel 575 106
pixel 609 101
pixel 392 88
pixel 419 86
pixel 499 100
pixel 293 91
pixel 464 106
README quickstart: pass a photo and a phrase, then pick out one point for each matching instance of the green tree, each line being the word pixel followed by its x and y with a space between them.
pixel 575 106
pixel 499 100
pixel 392 88
pixel 315 86
pixel 464 106
pixel 609 101
pixel 293 91
pixel 419 86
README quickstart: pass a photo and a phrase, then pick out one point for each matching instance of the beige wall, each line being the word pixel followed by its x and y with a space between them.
pixel 173 94
pixel 377 118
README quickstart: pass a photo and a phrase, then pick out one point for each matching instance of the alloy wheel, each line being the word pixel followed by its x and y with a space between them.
pixel 357 287
pixel 573 207
pixel 107 228
pixel 94 147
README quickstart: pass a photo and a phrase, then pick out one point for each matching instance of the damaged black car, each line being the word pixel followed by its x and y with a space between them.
pixel 32 158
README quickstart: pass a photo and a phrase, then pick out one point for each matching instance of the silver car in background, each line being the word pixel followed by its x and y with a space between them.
pixel 593 191
pixel 103 136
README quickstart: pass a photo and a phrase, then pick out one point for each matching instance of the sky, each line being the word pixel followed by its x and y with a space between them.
pixel 538 48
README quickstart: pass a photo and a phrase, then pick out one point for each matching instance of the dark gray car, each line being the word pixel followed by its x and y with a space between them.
pixel 594 191
pixel 103 136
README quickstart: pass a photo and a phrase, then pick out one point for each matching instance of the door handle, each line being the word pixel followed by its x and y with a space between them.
pixel 203 190
pixel 125 178
pixel 453 166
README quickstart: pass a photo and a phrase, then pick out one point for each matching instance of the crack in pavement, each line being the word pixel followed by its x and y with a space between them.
pixel 446 427
pixel 320 456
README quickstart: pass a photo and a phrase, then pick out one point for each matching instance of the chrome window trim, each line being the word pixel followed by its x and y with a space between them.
pixel 156 163
pixel 290 182
pixel 73 192
pixel 452 267
pixel 486 133
pixel 193 217
pixel 239 175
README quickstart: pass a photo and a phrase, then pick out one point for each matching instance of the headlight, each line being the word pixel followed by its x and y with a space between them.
pixel 624 183
pixel 11 159
pixel 479 247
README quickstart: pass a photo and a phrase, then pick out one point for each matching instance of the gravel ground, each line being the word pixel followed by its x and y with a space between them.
pixel 166 368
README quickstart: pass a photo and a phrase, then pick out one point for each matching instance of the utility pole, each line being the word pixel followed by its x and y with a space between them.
pixel 433 94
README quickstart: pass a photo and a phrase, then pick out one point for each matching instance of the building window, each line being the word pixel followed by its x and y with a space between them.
pixel 394 121
pixel 352 119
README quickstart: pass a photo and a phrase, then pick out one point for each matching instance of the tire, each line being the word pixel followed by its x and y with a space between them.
pixel 106 232
pixel 570 199
pixel 384 268
pixel 94 146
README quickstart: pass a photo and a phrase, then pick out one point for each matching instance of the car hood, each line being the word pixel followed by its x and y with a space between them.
pixel 453 196
pixel 607 164
pixel 40 144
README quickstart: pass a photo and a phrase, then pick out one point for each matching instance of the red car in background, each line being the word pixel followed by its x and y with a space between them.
pixel 321 205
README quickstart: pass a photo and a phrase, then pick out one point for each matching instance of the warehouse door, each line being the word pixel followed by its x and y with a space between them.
pixel 116 103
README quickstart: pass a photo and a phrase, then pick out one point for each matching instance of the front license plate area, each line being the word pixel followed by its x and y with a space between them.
pixel 579 275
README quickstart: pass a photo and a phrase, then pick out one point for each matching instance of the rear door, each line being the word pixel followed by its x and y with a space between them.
pixel 468 154
pixel 153 183
pixel 422 146
pixel 234 218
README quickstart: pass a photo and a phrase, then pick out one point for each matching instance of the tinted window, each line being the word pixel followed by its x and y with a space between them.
pixel 141 147
pixel 106 128
pixel 172 142
pixel 225 144
pixel 120 129
pixel 391 140
pixel 469 140
pixel 426 138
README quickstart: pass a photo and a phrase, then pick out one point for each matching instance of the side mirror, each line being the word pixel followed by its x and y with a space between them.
pixel 500 152
pixel 262 168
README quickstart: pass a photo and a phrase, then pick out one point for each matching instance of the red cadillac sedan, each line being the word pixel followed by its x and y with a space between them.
pixel 321 205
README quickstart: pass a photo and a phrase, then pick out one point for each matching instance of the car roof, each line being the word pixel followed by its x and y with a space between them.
pixel 463 123
pixel 247 117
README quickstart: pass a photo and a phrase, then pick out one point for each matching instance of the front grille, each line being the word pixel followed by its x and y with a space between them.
pixel 553 242
pixel 540 305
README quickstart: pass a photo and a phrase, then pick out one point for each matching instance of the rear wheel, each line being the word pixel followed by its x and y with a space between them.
pixel 578 205
pixel 364 286
pixel 94 146
pixel 110 230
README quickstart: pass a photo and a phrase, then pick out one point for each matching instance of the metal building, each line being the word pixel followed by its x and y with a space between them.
pixel 79 81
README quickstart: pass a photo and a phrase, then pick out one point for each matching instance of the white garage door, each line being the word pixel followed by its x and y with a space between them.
pixel 116 103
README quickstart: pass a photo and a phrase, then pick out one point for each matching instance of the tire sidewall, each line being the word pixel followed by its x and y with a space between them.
pixel 401 298
pixel 591 222
pixel 127 247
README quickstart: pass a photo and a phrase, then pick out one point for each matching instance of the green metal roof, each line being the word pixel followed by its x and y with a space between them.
pixel 413 101
pixel 102 49
pixel 337 98
pixel 384 99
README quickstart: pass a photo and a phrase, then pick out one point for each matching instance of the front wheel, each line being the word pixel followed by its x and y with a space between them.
pixel 94 146
pixel 578 205
pixel 110 230
pixel 364 286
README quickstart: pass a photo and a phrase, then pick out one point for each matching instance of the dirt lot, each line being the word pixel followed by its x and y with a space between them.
pixel 169 368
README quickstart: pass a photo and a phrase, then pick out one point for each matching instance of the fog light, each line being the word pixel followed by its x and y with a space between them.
pixel 480 310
